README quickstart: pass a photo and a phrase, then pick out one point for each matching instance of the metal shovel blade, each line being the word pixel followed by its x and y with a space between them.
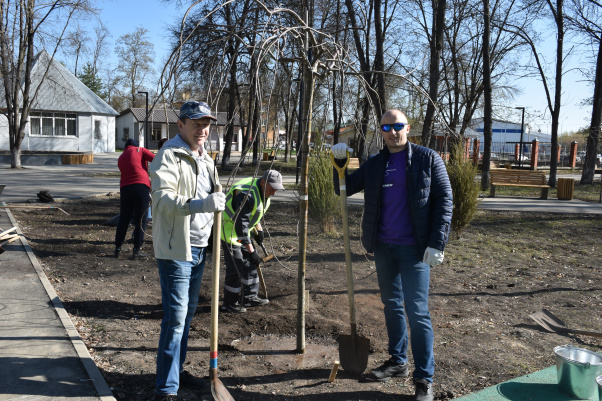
pixel 218 390
pixel 353 353
pixel 553 324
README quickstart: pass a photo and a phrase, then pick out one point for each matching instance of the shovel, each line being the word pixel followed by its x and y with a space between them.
pixel 260 273
pixel 353 349
pixel 551 323
pixel 219 392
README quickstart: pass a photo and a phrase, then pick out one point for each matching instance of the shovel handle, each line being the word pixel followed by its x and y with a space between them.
pixel 340 170
pixel 217 229
pixel 344 213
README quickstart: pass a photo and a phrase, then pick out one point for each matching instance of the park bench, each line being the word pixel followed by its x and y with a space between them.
pixel 214 155
pixel 354 163
pixel 518 178
pixel 269 154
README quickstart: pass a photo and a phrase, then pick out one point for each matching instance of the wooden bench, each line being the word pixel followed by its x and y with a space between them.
pixel 214 155
pixel 518 178
pixel 269 154
pixel 354 163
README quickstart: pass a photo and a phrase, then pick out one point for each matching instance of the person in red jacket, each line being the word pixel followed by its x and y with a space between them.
pixel 135 195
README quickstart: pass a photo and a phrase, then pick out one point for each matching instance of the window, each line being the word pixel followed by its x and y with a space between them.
pixel 97 132
pixel 126 134
pixel 52 124
pixel 156 134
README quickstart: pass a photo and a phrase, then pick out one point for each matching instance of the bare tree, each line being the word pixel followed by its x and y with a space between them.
pixel 76 45
pixel 24 23
pixel 135 55
pixel 584 17
pixel 99 50
pixel 435 45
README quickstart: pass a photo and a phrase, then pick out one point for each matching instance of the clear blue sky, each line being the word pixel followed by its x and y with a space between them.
pixel 123 16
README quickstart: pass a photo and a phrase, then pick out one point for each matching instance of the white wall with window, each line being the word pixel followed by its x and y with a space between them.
pixel 69 132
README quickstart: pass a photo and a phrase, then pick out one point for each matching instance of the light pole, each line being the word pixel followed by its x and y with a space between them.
pixel 145 120
pixel 522 129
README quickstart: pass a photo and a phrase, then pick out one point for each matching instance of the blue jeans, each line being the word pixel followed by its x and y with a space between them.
pixel 404 287
pixel 180 287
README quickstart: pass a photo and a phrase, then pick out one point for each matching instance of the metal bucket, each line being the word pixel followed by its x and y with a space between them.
pixel 577 369
pixel 599 381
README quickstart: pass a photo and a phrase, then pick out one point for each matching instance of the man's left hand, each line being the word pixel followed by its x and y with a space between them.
pixel 432 256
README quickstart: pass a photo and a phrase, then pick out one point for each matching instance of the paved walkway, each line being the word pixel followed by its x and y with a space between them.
pixel 42 356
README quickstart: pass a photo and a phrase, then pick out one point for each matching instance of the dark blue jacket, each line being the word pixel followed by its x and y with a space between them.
pixel 429 191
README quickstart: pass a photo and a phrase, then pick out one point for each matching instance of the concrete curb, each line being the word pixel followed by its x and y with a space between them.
pixel 101 386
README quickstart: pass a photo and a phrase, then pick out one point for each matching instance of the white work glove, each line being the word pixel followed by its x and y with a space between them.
pixel 432 256
pixel 213 203
pixel 339 151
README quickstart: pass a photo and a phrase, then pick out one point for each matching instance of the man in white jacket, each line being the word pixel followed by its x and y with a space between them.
pixel 183 178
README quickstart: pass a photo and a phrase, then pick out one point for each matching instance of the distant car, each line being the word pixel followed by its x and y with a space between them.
pixel 494 156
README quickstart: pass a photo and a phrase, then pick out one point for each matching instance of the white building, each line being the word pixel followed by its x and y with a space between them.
pixel 163 123
pixel 66 116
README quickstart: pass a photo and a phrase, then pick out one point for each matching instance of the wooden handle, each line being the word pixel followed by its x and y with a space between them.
pixel 217 229
pixel 344 213
pixel 261 281
pixel 3 233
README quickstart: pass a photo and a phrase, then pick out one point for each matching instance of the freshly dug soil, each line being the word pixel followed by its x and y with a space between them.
pixel 503 268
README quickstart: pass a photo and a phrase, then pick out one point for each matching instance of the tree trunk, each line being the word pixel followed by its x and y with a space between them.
pixel 593 140
pixel 487 122
pixel 436 45
pixel 558 13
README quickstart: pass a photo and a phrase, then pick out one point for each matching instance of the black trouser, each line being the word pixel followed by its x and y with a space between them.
pixel 240 272
pixel 134 205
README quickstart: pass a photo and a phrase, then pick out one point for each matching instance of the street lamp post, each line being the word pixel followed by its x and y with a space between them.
pixel 146 136
pixel 522 129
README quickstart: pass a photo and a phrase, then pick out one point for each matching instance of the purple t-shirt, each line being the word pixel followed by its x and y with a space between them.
pixel 394 223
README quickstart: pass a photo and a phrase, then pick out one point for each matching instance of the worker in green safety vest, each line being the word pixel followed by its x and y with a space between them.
pixel 246 203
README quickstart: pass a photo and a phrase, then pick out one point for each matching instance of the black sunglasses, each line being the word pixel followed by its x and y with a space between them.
pixel 396 127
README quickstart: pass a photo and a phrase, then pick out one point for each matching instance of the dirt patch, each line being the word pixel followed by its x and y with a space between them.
pixel 505 266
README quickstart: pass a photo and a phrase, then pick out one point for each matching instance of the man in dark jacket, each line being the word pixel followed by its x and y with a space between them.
pixel 407 216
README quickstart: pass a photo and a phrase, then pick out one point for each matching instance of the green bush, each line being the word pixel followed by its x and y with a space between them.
pixel 324 205
pixel 462 176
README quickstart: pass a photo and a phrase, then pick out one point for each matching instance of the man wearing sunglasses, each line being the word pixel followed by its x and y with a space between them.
pixel 406 223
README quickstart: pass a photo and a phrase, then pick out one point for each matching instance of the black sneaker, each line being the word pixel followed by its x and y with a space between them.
pixel 190 381
pixel 256 301
pixel 389 369
pixel 166 397
pixel 233 308
pixel 138 254
pixel 117 252
pixel 424 390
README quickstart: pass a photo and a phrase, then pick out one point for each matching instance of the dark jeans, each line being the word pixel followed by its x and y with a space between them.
pixel 134 205
pixel 242 281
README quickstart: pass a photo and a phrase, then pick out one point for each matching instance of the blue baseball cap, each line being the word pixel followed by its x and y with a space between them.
pixel 195 110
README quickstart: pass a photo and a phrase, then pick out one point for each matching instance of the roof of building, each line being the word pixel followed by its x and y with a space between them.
pixel 170 115
pixel 62 91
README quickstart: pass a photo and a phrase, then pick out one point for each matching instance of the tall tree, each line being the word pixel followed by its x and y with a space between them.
pixel 487 129
pixel 585 17
pixel 135 54
pixel 435 45
pixel 99 49
pixel 23 25
pixel 76 45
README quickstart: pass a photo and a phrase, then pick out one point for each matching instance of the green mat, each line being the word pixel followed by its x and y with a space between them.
pixel 537 386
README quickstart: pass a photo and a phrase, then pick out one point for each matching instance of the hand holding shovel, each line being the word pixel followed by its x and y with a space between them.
pixel 353 349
